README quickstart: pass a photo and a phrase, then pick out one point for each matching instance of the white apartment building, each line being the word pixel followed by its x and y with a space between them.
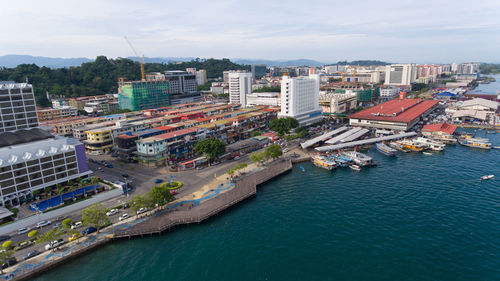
pixel 240 85
pixel 300 99
pixel 389 93
pixel 400 74
pixel 17 105
pixel 201 77
pixel 468 68
pixel 265 98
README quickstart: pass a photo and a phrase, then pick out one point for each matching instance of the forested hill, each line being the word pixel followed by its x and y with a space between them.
pixel 100 76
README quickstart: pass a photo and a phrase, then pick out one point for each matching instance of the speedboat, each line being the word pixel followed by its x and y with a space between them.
pixel 427 153
pixel 488 177
pixel 355 167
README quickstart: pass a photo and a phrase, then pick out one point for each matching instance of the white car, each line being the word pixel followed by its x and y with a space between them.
pixel 76 225
pixel 54 244
pixel 112 212
pixel 124 217
pixel 142 210
pixel 23 230
pixel 43 223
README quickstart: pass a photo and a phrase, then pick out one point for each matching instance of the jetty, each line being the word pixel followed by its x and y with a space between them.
pixel 323 137
pixel 327 148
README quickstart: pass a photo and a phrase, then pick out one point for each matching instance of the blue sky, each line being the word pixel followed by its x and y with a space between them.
pixel 437 31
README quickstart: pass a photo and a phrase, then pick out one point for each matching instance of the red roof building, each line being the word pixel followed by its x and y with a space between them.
pixel 445 128
pixel 398 114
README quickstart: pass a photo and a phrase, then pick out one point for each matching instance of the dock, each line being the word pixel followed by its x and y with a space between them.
pixel 323 137
pixel 327 148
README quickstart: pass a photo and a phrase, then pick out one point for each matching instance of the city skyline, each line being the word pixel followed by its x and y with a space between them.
pixel 420 32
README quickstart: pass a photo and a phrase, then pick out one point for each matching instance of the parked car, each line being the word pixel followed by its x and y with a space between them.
pixel 125 175
pixel 109 165
pixel 142 210
pixel 124 217
pixel 112 212
pixel 74 237
pixel 76 225
pixel 43 223
pixel 126 206
pixel 31 254
pixel 22 245
pixel 158 181
pixel 9 262
pixel 57 225
pixel 4 238
pixel 89 230
pixel 23 230
pixel 199 168
pixel 54 244
pixel 236 158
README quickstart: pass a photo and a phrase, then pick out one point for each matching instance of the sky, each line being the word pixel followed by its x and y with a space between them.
pixel 424 31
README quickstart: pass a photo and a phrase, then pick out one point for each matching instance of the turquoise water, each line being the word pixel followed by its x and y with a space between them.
pixel 414 217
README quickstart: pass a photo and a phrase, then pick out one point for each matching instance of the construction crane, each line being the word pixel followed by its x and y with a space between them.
pixel 137 55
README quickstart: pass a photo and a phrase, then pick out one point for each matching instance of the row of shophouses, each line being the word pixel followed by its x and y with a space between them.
pixel 166 136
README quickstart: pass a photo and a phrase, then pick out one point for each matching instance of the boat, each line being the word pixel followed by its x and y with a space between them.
pixel 426 153
pixel 342 161
pixel 475 142
pixel 447 139
pixel 302 169
pixel 358 157
pixel 398 146
pixel 385 149
pixel 491 132
pixel 355 167
pixel 497 147
pixel 433 145
pixel 413 146
pixel 324 162
pixel 488 177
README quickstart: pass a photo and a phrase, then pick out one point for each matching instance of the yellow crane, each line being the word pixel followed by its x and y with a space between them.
pixel 137 55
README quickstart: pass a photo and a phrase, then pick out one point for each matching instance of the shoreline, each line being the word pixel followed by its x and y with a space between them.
pixel 163 219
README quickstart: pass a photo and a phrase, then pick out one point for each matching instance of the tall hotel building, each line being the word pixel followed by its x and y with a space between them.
pixel 240 85
pixel 300 99
pixel 32 158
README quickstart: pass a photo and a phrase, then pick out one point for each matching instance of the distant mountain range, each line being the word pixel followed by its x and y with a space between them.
pixel 14 60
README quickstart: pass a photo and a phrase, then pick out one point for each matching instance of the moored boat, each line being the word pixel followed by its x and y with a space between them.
pixel 323 162
pixel 433 145
pixel 385 149
pixel 475 142
pixel 398 146
pixel 343 161
pixel 355 167
pixel 426 153
pixel 358 157
pixel 413 146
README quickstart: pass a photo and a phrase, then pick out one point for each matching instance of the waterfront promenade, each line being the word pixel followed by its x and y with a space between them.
pixel 218 195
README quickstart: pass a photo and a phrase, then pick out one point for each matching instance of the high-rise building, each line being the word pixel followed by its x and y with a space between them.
pixel 400 74
pixel 17 104
pixel 258 71
pixel 201 77
pixel 300 99
pixel 468 68
pixel 240 84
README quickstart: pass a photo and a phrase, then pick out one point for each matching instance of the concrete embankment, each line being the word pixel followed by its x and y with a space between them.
pixel 244 187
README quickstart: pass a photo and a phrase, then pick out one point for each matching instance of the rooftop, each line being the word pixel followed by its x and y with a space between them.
pixel 399 110
pixel 445 127
pixel 23 136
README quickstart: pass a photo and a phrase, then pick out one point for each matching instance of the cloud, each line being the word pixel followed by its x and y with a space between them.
pixel 394 30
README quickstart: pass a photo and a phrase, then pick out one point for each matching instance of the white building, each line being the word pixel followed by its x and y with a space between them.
pixel 389 93
pixel 240 85
pixel 265 98
pixel 400 74
pixel 17 103
pixel 468 68
pixel 331 69
pixel 300 99
pixel 201 77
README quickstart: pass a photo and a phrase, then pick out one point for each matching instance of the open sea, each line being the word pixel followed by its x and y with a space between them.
pixel 414 217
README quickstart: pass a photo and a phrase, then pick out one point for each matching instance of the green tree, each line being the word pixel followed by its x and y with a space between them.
pixel 95 215
pixel 257 157
pixel 49 236
pixel 94 180
pixel 211 148
pixel 138 202
pixel 283 125
pixel 33 233
pixel 66 223
pixel 7 244
pixel 5 255
pixel 274 151
pixel 268 89
pixel 159 195
pixel 256 133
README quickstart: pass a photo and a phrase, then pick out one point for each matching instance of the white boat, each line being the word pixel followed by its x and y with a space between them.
pixel 355 167
pixel 358 157
pixel 427 153
pixel 433 145
pixel 488 177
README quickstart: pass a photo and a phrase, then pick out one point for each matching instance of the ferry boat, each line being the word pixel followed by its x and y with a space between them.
pixel 444 139
pixel 433 145
pixel 358 157
pixel 323 162
pixel 475 142
pixel 385 149
pixel 343 161
pixel 412 146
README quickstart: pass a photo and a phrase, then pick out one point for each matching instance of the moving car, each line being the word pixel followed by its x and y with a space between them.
pixel 31 254
pixel 76 225
pixel 23 230
pixel 89 230
pixel 54 244
pixel 124 217
pixel 112 212
pixel 74 237
pixel 43 223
